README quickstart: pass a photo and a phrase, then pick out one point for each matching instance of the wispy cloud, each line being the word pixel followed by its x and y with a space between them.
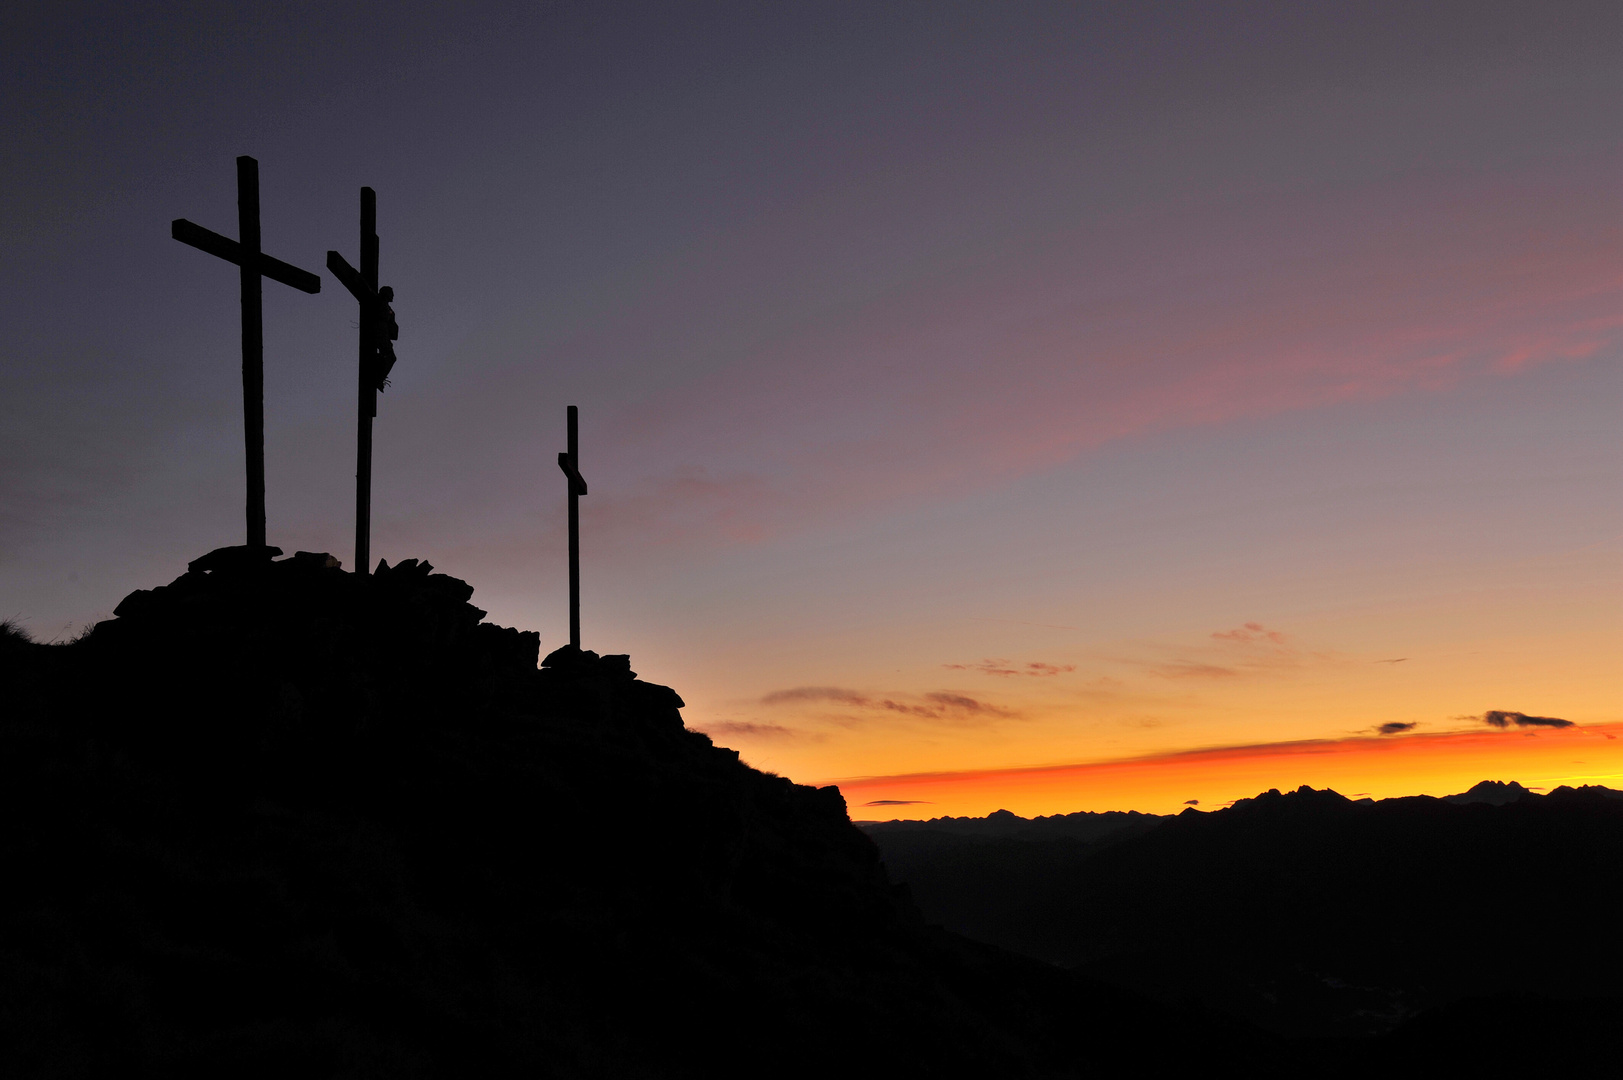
pixel 1504 718
pixel 833 694
pixel 1396 727
pixel 749 730
pixel 1189 669
pixel 1249 632
pixel 1307 749
pixel 1248 649
pixel 1005 668
pixel 936 705
pixel 944 705
pixel 898 802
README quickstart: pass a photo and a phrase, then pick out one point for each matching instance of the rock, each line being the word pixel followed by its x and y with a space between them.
pixel 656 697
pixel 507 645
pixel 617 667
pixel 132 604
pixel 320 559
pixel 570 658
pixel 240 557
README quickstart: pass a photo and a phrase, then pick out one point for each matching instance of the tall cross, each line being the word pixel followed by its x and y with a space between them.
pixel 255 264
pixel 570 464
pixel 378 330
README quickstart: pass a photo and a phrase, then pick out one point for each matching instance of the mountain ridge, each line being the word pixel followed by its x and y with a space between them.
pixel 1084 823
pixel 278 819
pixel 1307 913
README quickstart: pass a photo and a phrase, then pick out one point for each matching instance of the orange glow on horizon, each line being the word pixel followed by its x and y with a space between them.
pixel 1382 767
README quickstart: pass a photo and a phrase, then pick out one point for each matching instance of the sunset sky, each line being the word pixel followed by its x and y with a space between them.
pixel 1051 407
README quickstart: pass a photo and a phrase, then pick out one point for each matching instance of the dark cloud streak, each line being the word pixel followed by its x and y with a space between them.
pixel 1503 718
pixel 1005 668
pixel 815 693
pixel 936 705
pixel 748 729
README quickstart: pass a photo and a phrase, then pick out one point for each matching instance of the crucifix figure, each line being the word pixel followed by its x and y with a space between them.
pixel 379 331
pixel 255 264
pixel 570 463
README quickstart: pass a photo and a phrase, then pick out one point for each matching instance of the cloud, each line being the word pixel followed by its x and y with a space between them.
pixel 937 705
pixel 1190 669
pixel 899 802
pixel 1250 649
pixel 1396 727
pixel 1156 780
pixel 815 693
pixel 1191 802
pixel 1309 749
pixel 749 730
pixel 1502 718
pixel 941 706
pixel 1008 667
pixel 1248 633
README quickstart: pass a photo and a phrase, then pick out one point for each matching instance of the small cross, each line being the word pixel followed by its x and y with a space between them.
pixel 255 264
pixel 378 331
pixel 570 463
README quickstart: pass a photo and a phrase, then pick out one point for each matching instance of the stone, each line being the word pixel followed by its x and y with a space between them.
pixel 570 658
pixel 618 667
pixel 231 559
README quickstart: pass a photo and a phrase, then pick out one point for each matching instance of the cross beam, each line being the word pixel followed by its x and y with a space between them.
pixel 377 329
pixel 254 265
pixel 569 462
pixel 225 248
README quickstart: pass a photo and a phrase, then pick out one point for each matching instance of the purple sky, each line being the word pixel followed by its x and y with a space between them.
pixel 904 336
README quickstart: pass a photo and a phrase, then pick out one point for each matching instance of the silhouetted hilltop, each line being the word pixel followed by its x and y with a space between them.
pixel 277 819
pixel 1313 914
pixel 1498 793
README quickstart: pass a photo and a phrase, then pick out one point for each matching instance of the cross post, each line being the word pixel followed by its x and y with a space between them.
pixel 569 462
pixel 254 265
pixel 378 329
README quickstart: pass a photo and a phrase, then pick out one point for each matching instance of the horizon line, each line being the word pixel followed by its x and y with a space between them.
pixel 1225 751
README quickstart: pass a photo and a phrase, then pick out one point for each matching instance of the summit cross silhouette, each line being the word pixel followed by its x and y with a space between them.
pixel 377 333
pixel 255 264
pixel 569 462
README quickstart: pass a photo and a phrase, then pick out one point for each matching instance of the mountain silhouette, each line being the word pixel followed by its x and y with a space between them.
pixel 276 819
pixel 1442 925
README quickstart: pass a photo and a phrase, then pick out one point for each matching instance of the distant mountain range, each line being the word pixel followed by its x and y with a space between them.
pixel 1096 825
pixel 1306 913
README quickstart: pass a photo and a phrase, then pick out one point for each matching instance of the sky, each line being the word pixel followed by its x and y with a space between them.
pixel 1051 407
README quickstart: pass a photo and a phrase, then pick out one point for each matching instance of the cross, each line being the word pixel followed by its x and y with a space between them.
pixel 570 464
pixel 255 264
pixel 378 330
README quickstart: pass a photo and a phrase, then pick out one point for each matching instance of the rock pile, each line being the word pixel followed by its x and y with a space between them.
pixel 277 819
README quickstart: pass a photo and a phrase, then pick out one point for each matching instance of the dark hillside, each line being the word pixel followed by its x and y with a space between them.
pixel 275 819
pixel 1314 915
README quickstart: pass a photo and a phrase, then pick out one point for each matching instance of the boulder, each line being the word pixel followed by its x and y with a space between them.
pixel 239 557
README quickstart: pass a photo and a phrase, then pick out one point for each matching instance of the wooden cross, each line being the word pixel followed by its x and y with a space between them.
pixel 377 356
pixel 570 463
pixel 255 264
